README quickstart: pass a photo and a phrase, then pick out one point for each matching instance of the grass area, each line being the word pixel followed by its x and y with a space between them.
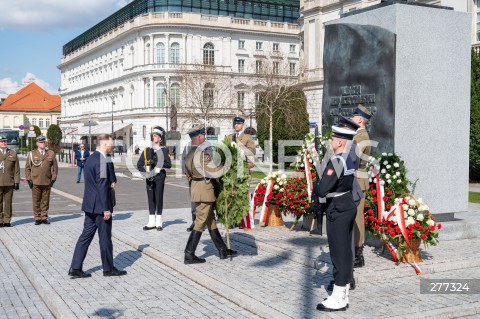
pixel 473 197
pixel 259 175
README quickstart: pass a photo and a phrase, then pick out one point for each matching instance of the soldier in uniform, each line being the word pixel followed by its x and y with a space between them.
pixel 41 172
pixel 335 190
pixel 153 161
pixel 243 140
pixel 9 181
pixel 201 171
pixel 361 116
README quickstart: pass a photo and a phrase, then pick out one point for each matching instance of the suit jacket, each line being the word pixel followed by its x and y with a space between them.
pixel 98 179
pixel 41 169
pixel 247 145
pixel 78 156
pixel 201 190
pixel 10 174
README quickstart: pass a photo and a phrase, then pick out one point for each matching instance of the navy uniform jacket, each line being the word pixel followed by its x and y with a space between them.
pixel 98 179
pixel 338 178
pixel 163 159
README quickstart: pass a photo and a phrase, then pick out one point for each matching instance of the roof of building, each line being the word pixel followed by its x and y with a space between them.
pixel 32 98
pixel 273 10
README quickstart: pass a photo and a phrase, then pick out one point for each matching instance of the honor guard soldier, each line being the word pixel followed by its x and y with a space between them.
pixel 201 171
pixel 361 116
pixel 243 140
pixel 41 171
pixel 9 181
pixel 153 161
pixel 335 190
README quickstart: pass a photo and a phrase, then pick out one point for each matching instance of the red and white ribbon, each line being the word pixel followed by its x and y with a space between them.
pixel 264 210
pixel 392 250
pixel 308 174
pixel 249 220
pixel 380 203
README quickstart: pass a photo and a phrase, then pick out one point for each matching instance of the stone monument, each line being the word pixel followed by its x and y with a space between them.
pixel 410 64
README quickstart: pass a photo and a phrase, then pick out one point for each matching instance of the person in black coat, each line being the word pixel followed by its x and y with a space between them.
pixel 98 208
pixel 153 161
pixel 335 191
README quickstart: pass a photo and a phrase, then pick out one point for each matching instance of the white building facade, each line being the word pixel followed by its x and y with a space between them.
pixel 127 76
pixel 314 15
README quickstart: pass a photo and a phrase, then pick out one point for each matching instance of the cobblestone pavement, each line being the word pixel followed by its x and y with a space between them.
pixel 278 274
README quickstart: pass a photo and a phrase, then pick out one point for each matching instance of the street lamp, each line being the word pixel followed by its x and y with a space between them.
pixel 113 104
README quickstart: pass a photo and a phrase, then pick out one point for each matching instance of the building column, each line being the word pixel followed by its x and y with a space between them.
pixel 167 48
pixel 184 38
pixel 152 93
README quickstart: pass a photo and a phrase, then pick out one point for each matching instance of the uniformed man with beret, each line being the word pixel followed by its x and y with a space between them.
pixel 243 140
pixel 335 191
pixel 9 181
pixel 41 171
pixel 202 172
pixel 361 116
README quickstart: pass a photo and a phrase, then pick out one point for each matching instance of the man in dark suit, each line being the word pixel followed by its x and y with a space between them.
pixel 97 205
pixel 81 156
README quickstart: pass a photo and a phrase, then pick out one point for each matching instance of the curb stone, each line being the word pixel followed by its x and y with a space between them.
pixel 49 296
pixel 235 296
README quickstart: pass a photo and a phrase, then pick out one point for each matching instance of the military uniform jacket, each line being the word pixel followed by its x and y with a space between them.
pixel 9 168
pixel 198 168
pixel 41 169
pixel 245 142
pixel 365 150
pixel 336 184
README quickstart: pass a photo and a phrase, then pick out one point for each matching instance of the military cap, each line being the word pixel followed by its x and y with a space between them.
pixel 3 138
pixel 159 131
pixel 343 133
pixel 238 119
pixel 345 122
pixel 196 130
pixel 41 138
pixel 362 111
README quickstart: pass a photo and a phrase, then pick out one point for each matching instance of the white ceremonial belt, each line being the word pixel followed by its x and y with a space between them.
pixel 335 194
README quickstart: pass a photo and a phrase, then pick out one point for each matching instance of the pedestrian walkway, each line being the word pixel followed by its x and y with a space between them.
pixel 278 274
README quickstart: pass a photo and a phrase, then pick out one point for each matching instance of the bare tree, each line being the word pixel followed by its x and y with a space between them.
pixel 274 84
pixel 207 93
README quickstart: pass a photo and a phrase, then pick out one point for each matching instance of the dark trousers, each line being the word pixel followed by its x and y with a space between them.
pixel 91 224
pixel 339 234
pixel 41 201
pixel 6 197
pixel 155 189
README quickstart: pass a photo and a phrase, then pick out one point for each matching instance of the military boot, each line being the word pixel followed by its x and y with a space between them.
pixel 359 261
pixel 192 244
pixel 223 251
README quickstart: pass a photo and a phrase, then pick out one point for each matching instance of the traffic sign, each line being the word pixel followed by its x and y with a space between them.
pixel 32 128
pixel 21 133
pixel 21 127
pixel 31 134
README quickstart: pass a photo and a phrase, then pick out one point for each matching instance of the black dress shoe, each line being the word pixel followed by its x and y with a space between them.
pixel 148 228
pixel 78 273
pixel 192 259
pixel 38 222
pixel 7 225
pixel 46 222
pixel 114 272
pixel 159 228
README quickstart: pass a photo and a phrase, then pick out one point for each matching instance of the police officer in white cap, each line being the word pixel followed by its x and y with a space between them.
pixel 335 190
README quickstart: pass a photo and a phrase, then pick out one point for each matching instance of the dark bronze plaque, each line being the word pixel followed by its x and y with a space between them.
pixel 359 68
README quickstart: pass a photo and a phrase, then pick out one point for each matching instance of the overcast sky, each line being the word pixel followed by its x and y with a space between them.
pixel 32 33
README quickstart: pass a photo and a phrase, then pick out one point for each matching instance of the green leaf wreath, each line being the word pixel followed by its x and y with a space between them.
pixel 233 198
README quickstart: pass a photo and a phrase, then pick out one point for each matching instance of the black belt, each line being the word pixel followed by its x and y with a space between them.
pixel 198 179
